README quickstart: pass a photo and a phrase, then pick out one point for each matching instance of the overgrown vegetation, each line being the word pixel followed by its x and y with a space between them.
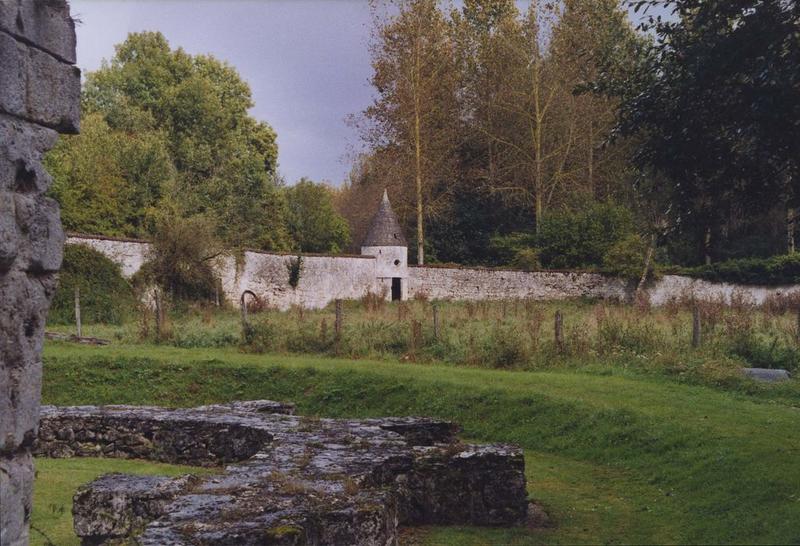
pixel 181 258
pixel 295 268
pixel 105 295
pixel 514 334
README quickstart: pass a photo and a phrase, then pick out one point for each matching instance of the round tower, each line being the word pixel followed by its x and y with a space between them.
pixel 385 241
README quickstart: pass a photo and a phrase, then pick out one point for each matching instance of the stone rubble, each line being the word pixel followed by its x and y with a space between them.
pixel 288 480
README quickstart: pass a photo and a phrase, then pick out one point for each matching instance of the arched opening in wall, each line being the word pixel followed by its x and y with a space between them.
pixel 397 289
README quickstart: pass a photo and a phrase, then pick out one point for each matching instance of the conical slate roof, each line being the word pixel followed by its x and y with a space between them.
pixel 385 230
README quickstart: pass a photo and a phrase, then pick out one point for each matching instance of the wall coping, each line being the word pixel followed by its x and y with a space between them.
pixel 251 250
pixel 71 235
pixel 510 270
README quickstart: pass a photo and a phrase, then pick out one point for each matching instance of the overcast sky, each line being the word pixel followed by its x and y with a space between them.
pixel 306 61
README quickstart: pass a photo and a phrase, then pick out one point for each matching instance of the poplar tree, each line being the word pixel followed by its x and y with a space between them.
pixel 412 125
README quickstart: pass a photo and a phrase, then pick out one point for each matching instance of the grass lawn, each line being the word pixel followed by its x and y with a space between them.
pixel 614 457
pixel 57 480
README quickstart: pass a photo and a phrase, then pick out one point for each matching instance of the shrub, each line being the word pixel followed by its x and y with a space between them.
pixel 295 268
pixel 505 348
pixel 582 239
pixel 626 257
pixel 505 248
pixel 762 352
pixel 527 259
pixel 784 269
pixel 106 297
pixel 181 258
pixel 261 337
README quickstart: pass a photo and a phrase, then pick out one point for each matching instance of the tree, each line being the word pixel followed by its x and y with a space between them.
pixel 107 181
pixel 715 103
pixel 181 258
pixel 510 131
pixel 412 123
pixel 313 222
pixel 223 162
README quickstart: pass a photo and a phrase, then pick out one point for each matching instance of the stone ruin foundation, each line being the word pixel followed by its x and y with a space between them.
pixel 289 480
pixel 39 97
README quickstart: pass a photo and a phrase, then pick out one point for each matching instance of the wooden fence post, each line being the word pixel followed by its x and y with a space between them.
pixel 338 322
pixel 696 335
pixel 436 321
pixel 159 315
pixel 78 311
pixel 416 338
pixel 559 331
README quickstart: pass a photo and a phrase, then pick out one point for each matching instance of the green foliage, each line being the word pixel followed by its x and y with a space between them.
pixel 724 134
pixel 505 248
pixel 784 269
pixel 109 181
pixel 767 352
pixel 582 239
pixel 106 297
pixel 170 131
pixel 506 347
pixel 295 268
pixel 626 257
pixel 313 222
pixel 181 258
pixel 526 259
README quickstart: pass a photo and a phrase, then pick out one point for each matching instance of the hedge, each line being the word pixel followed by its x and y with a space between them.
pixel 783 269
pixel 106 296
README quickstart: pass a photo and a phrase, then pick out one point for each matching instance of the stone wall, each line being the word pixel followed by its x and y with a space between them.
pixel 677 287
pixel 495 284
pixel 129 254
pixel 39 97
pixel 326 278
pixel 322 279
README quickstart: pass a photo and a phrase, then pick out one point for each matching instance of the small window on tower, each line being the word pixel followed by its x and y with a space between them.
pixel 397 262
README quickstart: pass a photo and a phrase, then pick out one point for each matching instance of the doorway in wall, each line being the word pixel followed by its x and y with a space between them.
pixel 397 289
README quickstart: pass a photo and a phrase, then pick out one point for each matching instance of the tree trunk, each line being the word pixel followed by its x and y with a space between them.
pixel 707 246
pixel 537 146
pixel 418 159
pixel 647 261
pixel 790 220
pixel 590 162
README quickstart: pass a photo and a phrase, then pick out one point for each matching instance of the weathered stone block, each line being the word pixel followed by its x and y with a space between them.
pixel 39 219
pixel 22 146
pixel 767 375
pixel 134 501
pixel 24 303
pixel 479 485
pixel 53 92
pixel 13 75
pixel 45 23
pixel 16 486
pixel 9 238
pixel 19 405
pixel 293 480
pixel 38 87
